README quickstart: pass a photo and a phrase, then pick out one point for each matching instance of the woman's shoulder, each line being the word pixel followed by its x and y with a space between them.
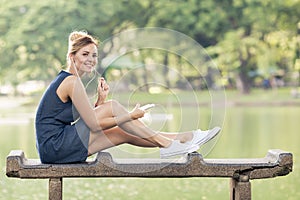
pixel 67 85
pixel 67 75
pixel 70 80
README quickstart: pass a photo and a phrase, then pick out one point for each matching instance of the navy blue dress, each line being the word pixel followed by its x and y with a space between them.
pixel 59 139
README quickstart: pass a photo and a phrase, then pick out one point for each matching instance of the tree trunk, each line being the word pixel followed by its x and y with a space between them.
pixel 243 80
pixel 166 69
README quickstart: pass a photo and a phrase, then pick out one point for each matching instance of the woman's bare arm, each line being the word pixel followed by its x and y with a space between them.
pixel 77 93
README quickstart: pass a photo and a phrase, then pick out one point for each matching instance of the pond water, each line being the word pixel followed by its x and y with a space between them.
pixel 247 132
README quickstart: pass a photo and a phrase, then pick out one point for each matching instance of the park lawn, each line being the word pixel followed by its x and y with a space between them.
pixel 280 96
pixel 257 96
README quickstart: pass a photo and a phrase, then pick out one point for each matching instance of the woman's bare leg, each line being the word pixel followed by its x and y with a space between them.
pixel 181 136
pixel 134 132
pixel 113 137
pixel 113 109
pixel 116 136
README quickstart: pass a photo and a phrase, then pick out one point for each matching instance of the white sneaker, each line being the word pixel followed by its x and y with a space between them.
pixel 202 137
pixel 178 148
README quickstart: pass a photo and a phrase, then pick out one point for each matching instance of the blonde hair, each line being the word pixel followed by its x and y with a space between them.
pixel 77 40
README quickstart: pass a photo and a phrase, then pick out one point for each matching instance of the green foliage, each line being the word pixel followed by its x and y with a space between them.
pixel 35 39
pixel 259 42
pixel 242 36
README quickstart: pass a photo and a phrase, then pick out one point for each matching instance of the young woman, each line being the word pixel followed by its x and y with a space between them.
pixel 69 128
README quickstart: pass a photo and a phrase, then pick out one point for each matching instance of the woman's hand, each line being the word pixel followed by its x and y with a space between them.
pixel 102 90
pixel 137 112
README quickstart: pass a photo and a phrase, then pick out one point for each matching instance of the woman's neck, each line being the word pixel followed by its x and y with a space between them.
pixel 71 69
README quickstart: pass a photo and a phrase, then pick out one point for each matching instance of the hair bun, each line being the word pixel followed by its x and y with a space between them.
pixel 77 40
pixel 76 35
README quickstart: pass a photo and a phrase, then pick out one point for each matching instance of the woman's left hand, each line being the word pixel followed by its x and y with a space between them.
pixel 137 112
pixel 102 90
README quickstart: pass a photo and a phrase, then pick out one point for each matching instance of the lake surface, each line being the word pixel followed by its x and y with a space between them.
pixel 247 132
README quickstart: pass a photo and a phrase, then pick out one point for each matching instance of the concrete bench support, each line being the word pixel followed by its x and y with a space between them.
pixel 240 189
pixel 240 171
pixel 55 188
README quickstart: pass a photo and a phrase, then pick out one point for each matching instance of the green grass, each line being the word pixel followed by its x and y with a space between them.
pixel 281 96
pixel 256 96
pixel 259 95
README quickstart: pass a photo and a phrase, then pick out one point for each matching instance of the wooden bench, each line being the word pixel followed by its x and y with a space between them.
pixel 240 171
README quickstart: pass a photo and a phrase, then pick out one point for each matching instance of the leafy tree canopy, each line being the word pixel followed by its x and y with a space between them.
pixel 242 36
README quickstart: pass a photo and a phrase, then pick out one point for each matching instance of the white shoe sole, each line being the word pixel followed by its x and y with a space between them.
pixel 182 152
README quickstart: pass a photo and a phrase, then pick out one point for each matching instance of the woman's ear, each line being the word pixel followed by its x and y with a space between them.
pixel 71 58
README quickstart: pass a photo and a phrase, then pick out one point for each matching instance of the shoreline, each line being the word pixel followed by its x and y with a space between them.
pixel 232 99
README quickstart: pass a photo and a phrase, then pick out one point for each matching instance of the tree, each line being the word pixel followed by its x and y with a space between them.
pixel 246 46
pixel 242 36
pixel 35 36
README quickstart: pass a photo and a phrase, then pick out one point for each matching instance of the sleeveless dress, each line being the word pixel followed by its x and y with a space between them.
pixel 61 137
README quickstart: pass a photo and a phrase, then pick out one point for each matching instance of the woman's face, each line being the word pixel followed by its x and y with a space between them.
pixel 86 59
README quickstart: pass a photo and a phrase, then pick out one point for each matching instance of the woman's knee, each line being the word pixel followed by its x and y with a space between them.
pixel 108 105
pixel 116 106
pixel 112 104
pixel 115 103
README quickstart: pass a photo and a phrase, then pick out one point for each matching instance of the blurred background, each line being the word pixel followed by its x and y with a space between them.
pixel 250 61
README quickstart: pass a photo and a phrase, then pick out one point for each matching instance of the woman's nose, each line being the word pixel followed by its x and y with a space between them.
pixel 90 58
